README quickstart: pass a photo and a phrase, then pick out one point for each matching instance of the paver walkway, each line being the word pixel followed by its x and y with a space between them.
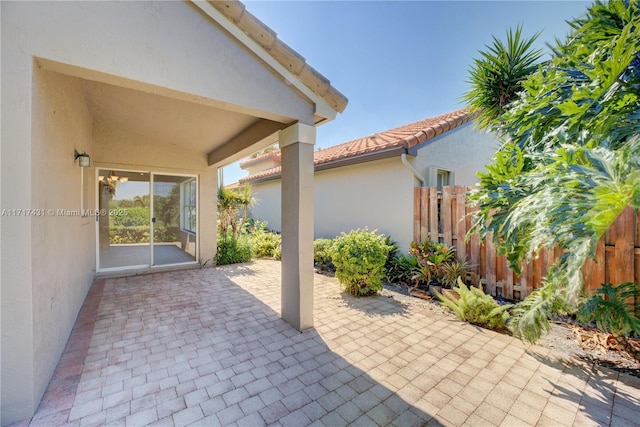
pixel 207 347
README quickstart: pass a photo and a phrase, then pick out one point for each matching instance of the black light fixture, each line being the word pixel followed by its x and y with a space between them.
pixel 84 159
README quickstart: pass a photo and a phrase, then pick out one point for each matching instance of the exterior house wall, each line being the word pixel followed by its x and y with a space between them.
pixel 268 203
pixel 62 246
pixel 464 151
pixel 167 48
pixel 379 194
pixel 376 194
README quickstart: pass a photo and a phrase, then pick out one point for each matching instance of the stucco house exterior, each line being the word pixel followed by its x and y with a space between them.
pixel 113 103
pixel 369 182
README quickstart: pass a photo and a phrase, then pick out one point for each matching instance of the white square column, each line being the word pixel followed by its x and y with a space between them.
pixel 296 145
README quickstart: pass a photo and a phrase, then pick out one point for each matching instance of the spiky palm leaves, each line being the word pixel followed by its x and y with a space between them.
pixel 496 77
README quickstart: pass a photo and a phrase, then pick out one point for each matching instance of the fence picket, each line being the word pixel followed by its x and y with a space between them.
pixel 461 222
pixel 446 216
pixel 434 233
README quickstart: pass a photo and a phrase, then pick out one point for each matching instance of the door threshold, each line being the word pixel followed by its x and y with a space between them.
pixel 146 270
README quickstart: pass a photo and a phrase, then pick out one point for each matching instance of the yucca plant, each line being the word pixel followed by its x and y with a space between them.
pixel 496 77
pixel 613 309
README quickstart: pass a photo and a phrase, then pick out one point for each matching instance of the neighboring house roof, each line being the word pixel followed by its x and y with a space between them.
pixel 287 57
pixel 372 147
pixel 272 155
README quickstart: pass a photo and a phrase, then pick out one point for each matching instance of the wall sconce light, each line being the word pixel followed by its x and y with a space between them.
pixel 84 159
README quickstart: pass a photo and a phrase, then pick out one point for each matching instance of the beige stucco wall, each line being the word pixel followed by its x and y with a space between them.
pixel 168 48
pixel 62 247
pixel 377 195
pixel 268 202
pixel 464 150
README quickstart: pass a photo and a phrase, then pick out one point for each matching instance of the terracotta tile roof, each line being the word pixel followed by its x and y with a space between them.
pixel 267 38
pixel 272 155
pixel 405 136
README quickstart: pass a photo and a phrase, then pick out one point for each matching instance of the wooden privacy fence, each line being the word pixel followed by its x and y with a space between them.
pixel 443 216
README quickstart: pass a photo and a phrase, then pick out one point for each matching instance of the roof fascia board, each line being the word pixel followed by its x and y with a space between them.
pixel 361 158
pixel 322 107
pixel 348 161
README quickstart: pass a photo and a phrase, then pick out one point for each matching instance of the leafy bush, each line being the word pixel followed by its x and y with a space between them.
pixel 233 249
pixel 266 244
pixel 359 258
pixel 121 235
pixel 401 270
pixel 134 217
pixel 140 234
pixel 322 253
pixel 474 306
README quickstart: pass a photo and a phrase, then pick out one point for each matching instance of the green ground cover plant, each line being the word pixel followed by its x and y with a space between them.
pixel 471 304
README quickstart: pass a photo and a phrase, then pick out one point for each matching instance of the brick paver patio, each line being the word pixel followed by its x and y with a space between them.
pixel 207 348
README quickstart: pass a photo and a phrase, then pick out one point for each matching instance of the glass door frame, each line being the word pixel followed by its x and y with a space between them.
pixel 151 265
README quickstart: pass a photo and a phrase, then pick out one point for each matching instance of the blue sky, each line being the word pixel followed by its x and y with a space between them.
pixel 399 62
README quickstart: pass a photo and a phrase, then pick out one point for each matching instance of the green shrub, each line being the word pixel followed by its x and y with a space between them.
pixel 474 306
pixel 266 244
pixel 359 258
pixel 122 235
pixel 134 217
pixel 233 249
pixel 322 253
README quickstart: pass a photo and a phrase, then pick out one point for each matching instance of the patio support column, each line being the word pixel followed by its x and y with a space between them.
pixel 296 145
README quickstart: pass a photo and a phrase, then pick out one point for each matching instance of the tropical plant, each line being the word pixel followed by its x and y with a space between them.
pixel 454 270
pixel 474 306
pixel 402 270
pixel 233 208
pixel 496 77
pixel 432 257
pixel 359 258
pixel 571 159
pixel 612 312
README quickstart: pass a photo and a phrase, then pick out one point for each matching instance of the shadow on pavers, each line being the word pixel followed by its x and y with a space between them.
pixel 227 358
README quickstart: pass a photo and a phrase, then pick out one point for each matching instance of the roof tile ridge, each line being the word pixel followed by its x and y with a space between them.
pixel 274 155
pixel 448 122
pixel 265 173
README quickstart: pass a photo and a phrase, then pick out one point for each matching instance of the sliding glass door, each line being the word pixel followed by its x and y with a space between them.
pixel 174 219
pixel 145 219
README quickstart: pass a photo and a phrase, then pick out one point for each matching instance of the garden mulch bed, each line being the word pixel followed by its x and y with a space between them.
pixel 562 338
